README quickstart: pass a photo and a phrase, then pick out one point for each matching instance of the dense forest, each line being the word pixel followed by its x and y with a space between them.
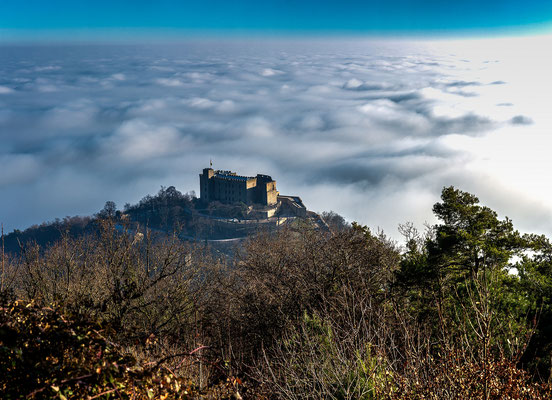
pixel 460 310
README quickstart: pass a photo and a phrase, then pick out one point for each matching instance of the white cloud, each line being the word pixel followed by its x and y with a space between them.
pixel 118 77
pixel 5 90
pixel 47 68
pixel 356 84
pixel 267 72
pixel 47 88
pixel 170 82
pixel 223 106
pixel 139 140
pixel 75 118
pixel 352 84
pixel 371 130
pixel 388 112
pixel 258 127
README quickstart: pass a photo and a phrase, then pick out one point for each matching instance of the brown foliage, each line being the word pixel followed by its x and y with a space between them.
pixel 454 378
pixel 296 314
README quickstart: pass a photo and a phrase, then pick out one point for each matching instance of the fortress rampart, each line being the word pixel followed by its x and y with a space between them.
pixel 228 187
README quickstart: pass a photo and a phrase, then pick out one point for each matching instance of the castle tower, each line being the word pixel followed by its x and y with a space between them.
pixel 204 192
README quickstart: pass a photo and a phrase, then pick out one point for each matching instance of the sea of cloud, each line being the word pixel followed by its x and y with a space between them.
pixel 370 129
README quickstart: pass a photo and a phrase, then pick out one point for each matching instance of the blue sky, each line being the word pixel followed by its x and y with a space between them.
pixel 35 19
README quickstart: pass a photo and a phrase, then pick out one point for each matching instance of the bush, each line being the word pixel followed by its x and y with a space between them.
pixel 45 355
pixel 456 378
pixel 312 362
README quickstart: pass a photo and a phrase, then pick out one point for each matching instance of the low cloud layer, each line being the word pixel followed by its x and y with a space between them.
pixel 370 130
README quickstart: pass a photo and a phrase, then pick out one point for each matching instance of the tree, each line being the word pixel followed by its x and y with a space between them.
pixel 471 237
pixel 335 221
pixel 535 272
pixel 464 273
pixel 462 283
pixel 109 210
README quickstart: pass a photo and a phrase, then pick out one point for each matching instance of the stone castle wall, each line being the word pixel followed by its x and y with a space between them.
pixel 228 187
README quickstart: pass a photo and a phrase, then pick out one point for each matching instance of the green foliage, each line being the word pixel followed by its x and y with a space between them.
pixel 536 282
pixel 461 278
pixel 317 364
pixel 471 237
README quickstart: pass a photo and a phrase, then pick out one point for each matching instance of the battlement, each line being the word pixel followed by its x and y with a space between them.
pixel 229 187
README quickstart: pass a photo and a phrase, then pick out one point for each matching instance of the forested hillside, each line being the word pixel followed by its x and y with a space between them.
pixel 168 211
pixel 462 310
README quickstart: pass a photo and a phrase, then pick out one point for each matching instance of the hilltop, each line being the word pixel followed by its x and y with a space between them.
pixel 171 211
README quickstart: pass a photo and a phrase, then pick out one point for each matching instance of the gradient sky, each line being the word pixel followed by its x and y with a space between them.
pixel 372 129
pixel 39 19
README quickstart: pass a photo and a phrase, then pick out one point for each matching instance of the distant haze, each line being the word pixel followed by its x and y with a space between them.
pixel 370 129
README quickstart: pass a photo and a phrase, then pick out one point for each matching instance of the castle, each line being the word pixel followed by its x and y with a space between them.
pixel 228 187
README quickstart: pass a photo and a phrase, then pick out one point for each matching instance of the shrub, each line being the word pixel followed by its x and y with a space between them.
pixel 45 355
